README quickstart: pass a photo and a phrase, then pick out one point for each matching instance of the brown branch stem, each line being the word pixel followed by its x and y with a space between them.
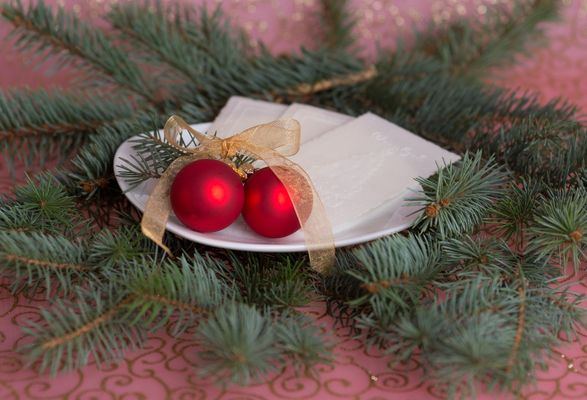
pixel 305 89
pixel 45 263
pixel 51 130
pixel 173 303
pixel 521 321
pixel 89 326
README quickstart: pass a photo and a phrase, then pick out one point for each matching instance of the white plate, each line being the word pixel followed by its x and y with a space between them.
pixel 389 218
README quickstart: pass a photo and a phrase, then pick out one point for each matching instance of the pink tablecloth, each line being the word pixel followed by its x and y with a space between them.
pixel 163 369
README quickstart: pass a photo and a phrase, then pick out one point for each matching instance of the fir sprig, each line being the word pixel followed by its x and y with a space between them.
pixel 239 343
pixel 105 320
pixel 74 333
pixel 34 259
pixel 466 257
pixel 470 49
pixel 47 200
pixel 458 197
pixel 281 282
pixel 541 149
pixel 62 35
pixel 338 24
pixel 560 226
pixel 45 124
pixel 395 270
pixel 515 211
pixel 243 344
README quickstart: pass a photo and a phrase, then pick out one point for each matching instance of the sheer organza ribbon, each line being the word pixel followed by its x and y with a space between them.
pixel 271 143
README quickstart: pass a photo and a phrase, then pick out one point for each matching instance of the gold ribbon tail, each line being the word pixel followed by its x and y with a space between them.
pixel 158 206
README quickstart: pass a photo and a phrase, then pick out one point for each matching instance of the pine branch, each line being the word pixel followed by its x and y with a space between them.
pixel 154 39
pixel 560 225
pixel 62 35
pixel 395 270
pixel 457 339
pixel 542 149
pixel 144 295
pixel 54 248
pixel 187 291
pixel 45 124
pixel 414 92
pixel 34 259
pixel 338 24
pixel 480 284
pixel 47 200
pixel 103 321
pixel 471 49
pixel 339 289
pixel 302 343
pixel 515 211
pixel 243 344
pixel 278 283
pixel 112 250
pixel 43 206
pixel 73 332
pixel 91 170
pixel 154 155
pixel 466 257
pixel 458 197
pixel 239 344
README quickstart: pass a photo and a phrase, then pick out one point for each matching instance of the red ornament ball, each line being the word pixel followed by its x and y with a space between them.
pixel 268 208
pixel 207 195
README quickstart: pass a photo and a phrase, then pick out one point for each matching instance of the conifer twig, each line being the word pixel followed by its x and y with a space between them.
pixel 44 263
pixel 74 37
pixel 338 24
pixel 88 326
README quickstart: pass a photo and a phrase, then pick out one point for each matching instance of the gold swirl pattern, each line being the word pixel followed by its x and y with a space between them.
pixel 164 368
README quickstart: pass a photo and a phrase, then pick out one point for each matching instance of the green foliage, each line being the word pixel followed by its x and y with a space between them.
pixel 338 24
pixel 281 282
pixel 56 123
pixel 31 259
pixel 466 257
pixel 112 249
pixel 302 343
pixel 90 327
pixel 154 155
pixel 171 293
pixel 458 197
pixel 515 211
pixel 242 344
pixel 469 49
pixel 72 42
pixel 395 269
pixel 46 200
pixel 560 226
pixel 40 205
pixel 470 290
pixel 547 150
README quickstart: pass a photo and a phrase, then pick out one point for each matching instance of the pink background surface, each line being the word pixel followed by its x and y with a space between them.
pixel 163 368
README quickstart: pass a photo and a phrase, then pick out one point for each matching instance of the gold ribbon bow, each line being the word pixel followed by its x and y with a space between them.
pixel 271 143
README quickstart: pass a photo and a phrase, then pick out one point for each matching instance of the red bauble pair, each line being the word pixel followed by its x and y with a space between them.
pixel 207 196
